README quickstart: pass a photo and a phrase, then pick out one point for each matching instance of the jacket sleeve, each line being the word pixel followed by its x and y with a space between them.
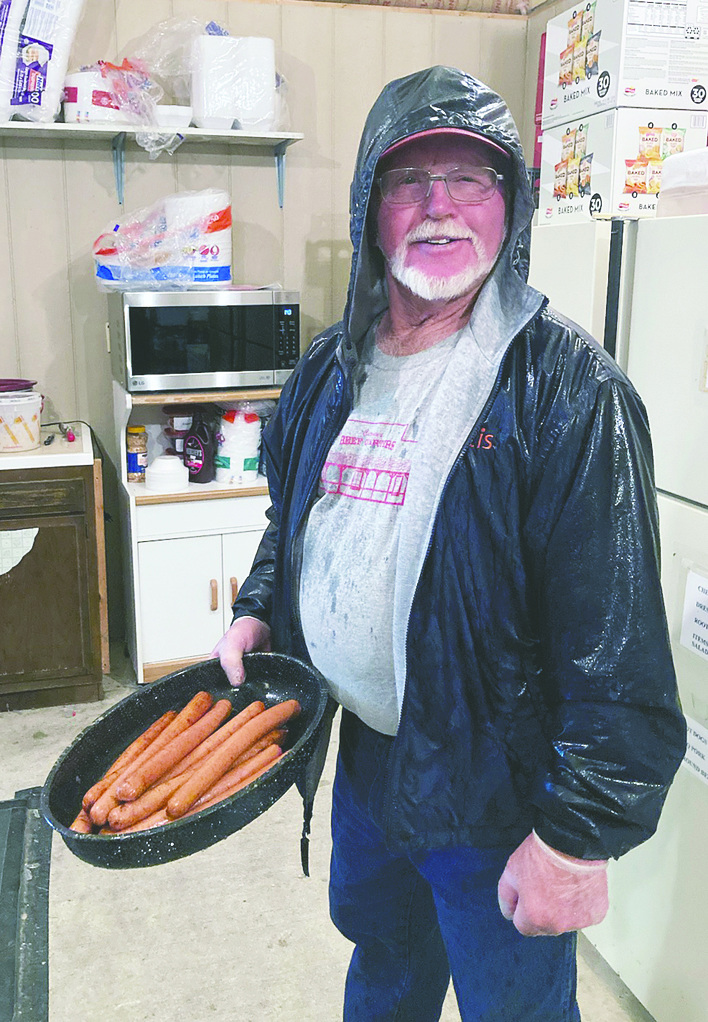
pixel 618 734
pixel 255 597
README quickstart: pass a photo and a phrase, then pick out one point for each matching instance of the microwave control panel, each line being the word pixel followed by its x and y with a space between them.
pixel 287 336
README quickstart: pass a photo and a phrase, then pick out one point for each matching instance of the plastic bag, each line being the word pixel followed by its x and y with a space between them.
pixel 166 50
pixel 36 37
pixel 238 437
pixel 183 241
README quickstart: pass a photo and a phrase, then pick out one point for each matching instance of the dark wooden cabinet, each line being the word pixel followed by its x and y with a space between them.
pixel 52 601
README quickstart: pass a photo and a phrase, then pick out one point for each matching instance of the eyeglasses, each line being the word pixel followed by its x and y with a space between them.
pixel 411 185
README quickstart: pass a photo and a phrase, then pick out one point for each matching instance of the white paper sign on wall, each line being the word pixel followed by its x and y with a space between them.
pixel 696 758
pixel 694 624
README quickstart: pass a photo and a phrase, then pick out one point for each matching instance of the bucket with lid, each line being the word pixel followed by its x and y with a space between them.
pixel 19 421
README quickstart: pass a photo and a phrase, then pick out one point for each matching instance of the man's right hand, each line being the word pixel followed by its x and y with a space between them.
pixel 246 635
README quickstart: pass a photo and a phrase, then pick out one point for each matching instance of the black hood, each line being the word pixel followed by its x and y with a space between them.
pixel 434 98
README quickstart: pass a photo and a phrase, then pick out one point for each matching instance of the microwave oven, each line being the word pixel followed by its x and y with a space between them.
pixel 198 340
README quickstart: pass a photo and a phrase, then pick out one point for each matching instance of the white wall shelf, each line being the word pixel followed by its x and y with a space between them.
pixel 118 134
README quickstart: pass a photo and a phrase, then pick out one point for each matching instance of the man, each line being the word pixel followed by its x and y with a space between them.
pixel 463 540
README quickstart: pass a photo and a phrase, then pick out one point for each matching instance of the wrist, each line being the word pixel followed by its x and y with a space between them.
pixel 568 862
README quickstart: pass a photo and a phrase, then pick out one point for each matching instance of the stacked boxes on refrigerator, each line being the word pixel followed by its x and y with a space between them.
pixel 625 86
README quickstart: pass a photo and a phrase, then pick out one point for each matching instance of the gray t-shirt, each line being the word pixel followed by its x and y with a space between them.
pixel 351 538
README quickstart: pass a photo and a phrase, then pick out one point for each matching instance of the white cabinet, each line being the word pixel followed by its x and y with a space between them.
pixel 238 551
pixel 187 587
pixel 186 554
pixel 181 597
pixel 190 560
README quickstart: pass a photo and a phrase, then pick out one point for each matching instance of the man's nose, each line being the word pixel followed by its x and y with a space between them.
pixel 438 202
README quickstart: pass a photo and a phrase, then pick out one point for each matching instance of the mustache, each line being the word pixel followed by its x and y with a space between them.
pixel 432 229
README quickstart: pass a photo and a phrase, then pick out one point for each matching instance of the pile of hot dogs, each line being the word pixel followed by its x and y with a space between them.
pixel 184 763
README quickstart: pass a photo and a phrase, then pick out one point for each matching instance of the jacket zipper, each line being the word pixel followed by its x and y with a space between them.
pixel 388 799
pixel 296 546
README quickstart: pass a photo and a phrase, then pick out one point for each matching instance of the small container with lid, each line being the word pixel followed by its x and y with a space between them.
pixel 136 442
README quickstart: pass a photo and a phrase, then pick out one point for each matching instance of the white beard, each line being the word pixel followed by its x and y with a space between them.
pixel 434 289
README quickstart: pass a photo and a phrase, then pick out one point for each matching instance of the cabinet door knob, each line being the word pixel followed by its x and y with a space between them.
pixel 234 588
pixel 214 594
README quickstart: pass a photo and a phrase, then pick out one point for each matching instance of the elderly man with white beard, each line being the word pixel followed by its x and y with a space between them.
pixel 463 541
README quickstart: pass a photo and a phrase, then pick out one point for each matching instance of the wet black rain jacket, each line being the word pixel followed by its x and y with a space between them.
pixel 539 686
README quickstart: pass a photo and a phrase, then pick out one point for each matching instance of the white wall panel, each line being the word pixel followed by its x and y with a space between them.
pixel 38 230
pixel 407 42
pixel 9 337
pixel 310 252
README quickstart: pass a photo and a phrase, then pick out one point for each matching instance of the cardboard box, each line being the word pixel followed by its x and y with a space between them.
pixel 615 53
pixel 610 163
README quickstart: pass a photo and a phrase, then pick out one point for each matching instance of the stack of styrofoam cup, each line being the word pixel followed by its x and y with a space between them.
pixel 233 83
pixel 199 224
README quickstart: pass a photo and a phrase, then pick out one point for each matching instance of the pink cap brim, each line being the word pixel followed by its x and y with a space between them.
pixel 447 131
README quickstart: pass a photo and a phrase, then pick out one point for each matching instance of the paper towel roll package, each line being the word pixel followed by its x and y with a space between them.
pixel 35 56
pixel 87 99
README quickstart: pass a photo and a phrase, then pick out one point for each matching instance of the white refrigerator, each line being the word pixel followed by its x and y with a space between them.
pixel 586 269
pixel 656 933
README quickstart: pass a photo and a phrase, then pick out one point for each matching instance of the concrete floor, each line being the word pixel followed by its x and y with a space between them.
pixel 235 932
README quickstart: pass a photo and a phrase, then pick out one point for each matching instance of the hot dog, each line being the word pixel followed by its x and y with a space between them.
pixel 154 820
pixel 233 778
pixel 195 708
pixel 249 772
pixel 155 798
pixel 275 737
pixel 129 756
pixel 224 756
pixel 140 778
pixel 217 738
pixel 82 823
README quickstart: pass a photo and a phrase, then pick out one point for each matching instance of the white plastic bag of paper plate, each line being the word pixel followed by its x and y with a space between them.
pixel 238 446
pixel 182 241
pixel 36 37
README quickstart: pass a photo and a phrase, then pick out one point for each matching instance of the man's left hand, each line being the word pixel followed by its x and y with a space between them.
pixel 546 892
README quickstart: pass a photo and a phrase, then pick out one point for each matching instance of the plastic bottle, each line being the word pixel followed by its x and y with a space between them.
pixel 199 449
pixel 136 443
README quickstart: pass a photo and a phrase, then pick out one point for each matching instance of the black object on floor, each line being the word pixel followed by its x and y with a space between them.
pixel 25 851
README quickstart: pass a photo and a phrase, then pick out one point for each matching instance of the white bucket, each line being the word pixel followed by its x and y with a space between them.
pixel 19 421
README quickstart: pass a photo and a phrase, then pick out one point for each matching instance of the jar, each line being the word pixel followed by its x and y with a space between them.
pixel 136 443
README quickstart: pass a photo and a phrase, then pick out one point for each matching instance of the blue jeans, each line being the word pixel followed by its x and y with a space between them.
pixel 418 918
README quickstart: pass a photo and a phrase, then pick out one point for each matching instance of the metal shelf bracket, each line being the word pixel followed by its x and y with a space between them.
pixel 118 147
pixel 279 153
